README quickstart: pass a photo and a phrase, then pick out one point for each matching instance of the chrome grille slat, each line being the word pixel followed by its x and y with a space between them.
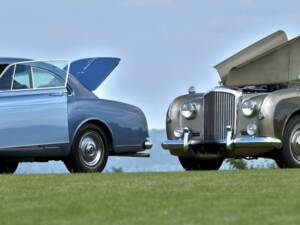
pixel 219 112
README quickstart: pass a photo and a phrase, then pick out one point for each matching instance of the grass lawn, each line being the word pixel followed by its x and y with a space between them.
pixel 222 197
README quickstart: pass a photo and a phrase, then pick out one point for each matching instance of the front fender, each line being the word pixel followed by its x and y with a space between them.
pixel 276 109
pixel 176 120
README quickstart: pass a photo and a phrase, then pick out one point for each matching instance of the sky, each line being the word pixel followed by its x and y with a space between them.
pixel 165 46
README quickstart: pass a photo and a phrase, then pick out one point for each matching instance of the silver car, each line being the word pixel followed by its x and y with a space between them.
pixel 255 112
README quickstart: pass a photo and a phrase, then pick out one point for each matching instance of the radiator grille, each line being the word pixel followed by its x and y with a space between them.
pixel 219 112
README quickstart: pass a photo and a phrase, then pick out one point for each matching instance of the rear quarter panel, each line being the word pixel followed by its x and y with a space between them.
pixel 126 123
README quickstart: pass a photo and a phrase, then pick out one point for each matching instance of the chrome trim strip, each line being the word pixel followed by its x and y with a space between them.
pixel 50 60
pixel 27 146
pixel 12 79
pixel 237 93
pixel 124 146
pixel 172 144
pixel 36 89
pixel 259 142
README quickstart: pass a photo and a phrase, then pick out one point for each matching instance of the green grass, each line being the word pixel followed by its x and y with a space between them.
pixel 224 197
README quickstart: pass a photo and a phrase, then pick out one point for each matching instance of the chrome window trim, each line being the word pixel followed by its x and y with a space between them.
pixel 31 61
pixel 50 72
pixel 12 78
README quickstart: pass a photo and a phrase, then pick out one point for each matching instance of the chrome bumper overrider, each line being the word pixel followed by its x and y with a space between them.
pixel 230 143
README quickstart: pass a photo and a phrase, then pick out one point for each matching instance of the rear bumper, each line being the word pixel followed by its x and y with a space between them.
pixel 230 143
pixel 148 144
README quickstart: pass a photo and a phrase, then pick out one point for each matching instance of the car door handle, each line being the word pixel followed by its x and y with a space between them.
pixel 57 93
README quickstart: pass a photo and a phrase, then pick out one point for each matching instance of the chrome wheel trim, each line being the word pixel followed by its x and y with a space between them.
pixel 91 148
pixel 295 143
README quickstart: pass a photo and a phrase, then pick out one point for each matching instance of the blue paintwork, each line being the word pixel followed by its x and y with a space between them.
pixel 34 117
pixel 91 72
pixel 7 60
pixel 127 123
pixel 36 124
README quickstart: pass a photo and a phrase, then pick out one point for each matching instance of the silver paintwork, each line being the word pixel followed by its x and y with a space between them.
pixel 272 65
pixel 273 60
pixel 274 40
pixel 268 108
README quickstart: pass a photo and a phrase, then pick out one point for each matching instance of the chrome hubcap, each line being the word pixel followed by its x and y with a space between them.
pixel 295 143
pixel 91 147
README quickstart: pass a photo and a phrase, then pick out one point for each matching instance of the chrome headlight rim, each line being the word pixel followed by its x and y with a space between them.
pixel 249 107
pixel 188 110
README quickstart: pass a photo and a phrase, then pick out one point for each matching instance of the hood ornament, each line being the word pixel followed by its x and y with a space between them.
pixel 192 90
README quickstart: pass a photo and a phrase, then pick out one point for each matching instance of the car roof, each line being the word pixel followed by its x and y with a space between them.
pixel 10 60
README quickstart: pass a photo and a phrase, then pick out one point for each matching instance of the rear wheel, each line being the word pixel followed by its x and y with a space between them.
pixel 89 151
pixel 290 153
pixel 196 164
pixel 8 167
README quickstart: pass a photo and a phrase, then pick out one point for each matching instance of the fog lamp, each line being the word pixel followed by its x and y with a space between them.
pixel 251 129
pixel 178 132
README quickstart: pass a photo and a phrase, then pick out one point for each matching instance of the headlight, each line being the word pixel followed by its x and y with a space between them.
pixel 251 129
pixel 249 107
pixel 188 110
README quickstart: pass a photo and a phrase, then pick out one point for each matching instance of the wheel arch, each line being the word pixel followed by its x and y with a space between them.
pixel 102 125
pixel 288 118
pixel 284 111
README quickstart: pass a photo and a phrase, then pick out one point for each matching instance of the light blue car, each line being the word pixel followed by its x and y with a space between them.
pixel 48 112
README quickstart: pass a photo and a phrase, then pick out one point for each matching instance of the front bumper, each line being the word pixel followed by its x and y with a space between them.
pixel 231 143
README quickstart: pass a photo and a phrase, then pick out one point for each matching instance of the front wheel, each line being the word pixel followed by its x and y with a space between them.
pixel 289 156
pixel 196 164
pixel 89 151
pixel 8 167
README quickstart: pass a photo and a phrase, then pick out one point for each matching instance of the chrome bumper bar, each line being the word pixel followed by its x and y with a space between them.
pixel 230 143
pixel 148 144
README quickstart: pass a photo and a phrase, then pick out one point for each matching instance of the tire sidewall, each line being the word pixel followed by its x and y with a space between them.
pixel 8 167
pixel 288 157
pixel 78 165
